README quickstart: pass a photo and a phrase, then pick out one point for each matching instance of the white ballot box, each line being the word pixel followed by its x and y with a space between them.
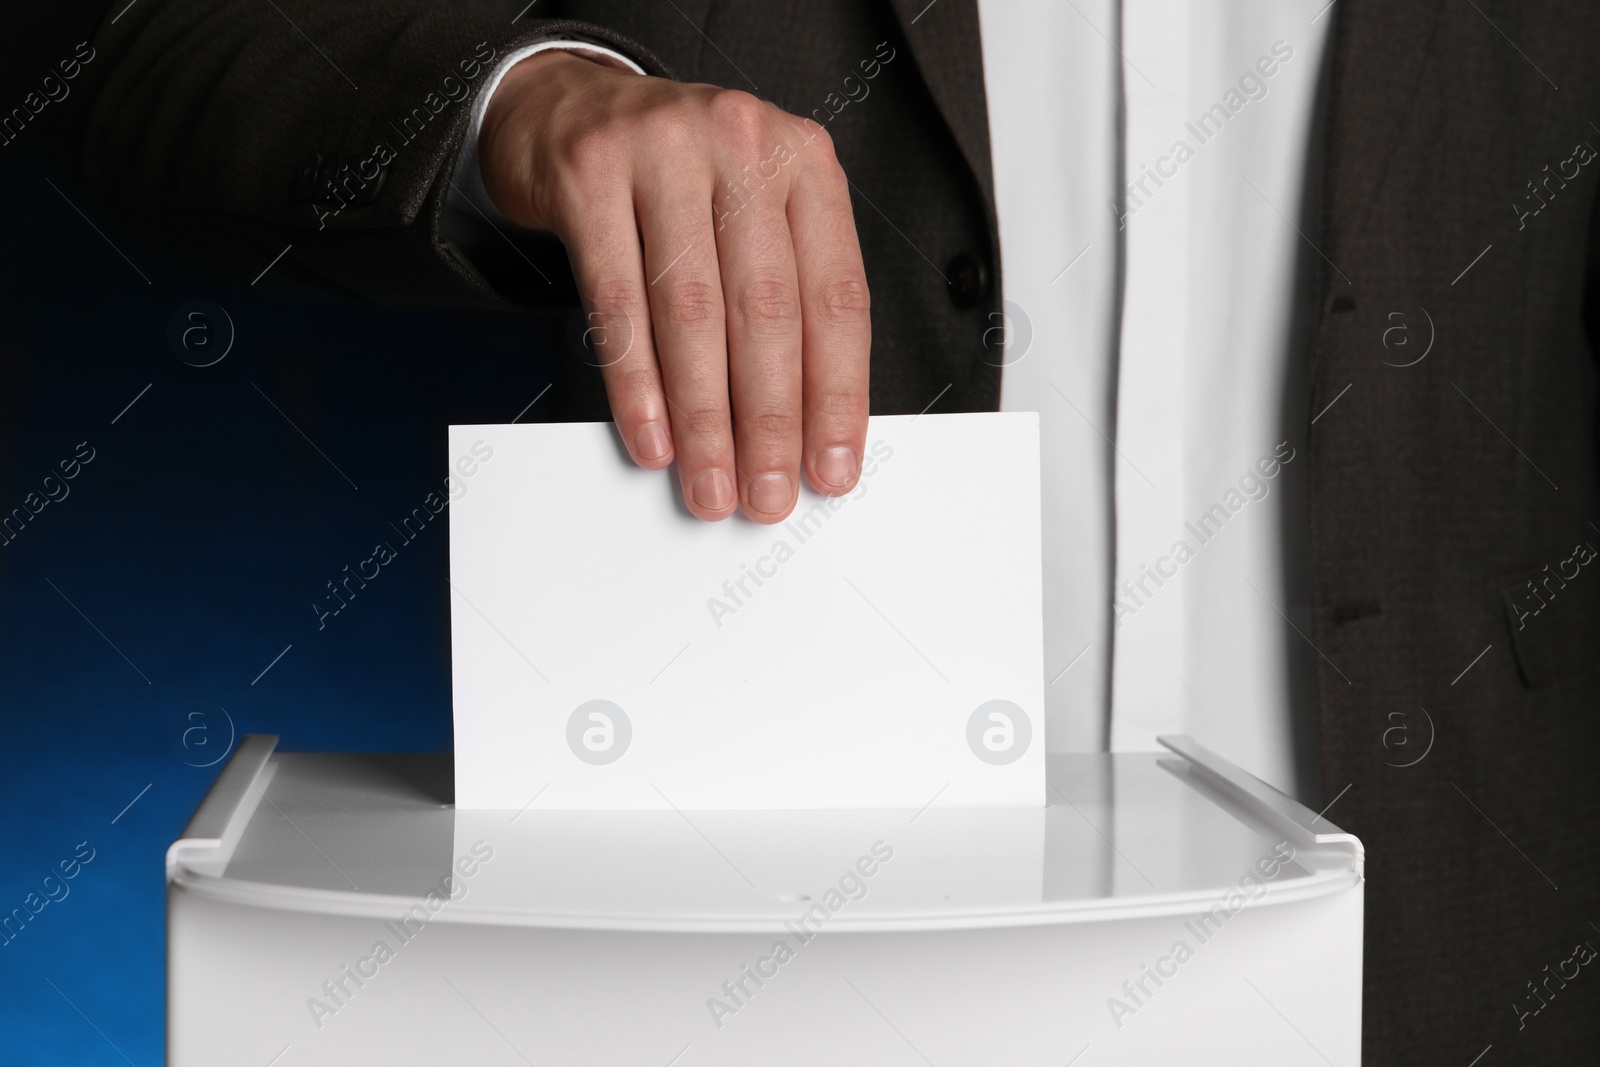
pixel 1162 908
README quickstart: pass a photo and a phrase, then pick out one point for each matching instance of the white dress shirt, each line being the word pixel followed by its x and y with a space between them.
pixel 1163 291
pixel 1159 397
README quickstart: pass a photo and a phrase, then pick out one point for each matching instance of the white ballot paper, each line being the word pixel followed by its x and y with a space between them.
pixel 882 649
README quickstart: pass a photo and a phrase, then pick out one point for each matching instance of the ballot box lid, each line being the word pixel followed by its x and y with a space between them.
pixel 1123 835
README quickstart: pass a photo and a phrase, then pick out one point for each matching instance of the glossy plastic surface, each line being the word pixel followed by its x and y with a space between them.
pixel 1127 835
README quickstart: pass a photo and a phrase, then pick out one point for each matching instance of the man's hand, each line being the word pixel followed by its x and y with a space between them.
pixel 715 232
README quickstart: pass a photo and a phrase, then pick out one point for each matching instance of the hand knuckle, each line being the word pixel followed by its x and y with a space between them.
pixel 771 426
pixel 613 298
pixel 593 151
pixel 845 297
pixel 692 303
pixel 820 142
pixel 637 383
pixel 702 421
pixel 740 118
pixel 840 403
pixel 767 301
pixel 672 126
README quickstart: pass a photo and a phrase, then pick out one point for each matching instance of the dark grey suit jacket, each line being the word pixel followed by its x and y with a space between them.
pixel 1448 498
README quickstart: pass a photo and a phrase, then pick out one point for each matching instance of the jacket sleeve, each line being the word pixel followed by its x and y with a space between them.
pixel 223 132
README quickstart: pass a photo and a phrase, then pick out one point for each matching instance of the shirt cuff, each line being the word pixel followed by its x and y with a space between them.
pixel 468 200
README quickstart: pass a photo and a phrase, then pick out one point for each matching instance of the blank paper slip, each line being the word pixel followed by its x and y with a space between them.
pixel 877 650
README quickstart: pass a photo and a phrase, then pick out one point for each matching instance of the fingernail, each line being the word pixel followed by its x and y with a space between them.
pixel 836 466
pixel 713 490
pixel 652 441
pixel 771 492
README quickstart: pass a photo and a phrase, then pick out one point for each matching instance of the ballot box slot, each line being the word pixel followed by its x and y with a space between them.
pixel 1239 789
pixel 213 833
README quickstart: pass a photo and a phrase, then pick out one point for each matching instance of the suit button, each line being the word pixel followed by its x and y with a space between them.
pixel 327 182
pixel 969 279
pixel 370 187
pixel 305 181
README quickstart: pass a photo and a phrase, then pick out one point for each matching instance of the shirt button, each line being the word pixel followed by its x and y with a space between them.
pixel 969 279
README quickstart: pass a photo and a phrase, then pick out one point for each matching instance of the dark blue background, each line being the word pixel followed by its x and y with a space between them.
pixel 195 542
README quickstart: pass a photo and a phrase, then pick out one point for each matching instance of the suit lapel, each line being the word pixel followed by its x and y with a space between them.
pixel 1381 50
pixel 944 42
